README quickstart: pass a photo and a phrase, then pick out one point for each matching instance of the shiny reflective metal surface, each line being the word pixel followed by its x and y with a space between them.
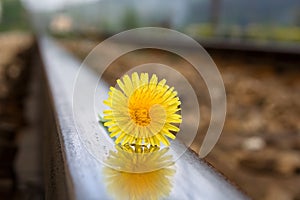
pixel 81 175
pixel 190 177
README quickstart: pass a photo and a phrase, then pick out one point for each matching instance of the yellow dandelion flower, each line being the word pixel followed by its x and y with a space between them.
pixel 142 111
pixel 131 178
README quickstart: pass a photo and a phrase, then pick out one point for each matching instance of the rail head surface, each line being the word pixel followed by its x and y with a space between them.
pixel 84 177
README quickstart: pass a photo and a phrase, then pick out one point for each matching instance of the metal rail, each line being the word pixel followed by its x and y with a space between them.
pixel 252 46
pixel 73 173
pixel 238 45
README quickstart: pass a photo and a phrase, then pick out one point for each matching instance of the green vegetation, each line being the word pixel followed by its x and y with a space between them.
pixel 13 16
pixel 255 31
pixel 130 19
pixel 203 30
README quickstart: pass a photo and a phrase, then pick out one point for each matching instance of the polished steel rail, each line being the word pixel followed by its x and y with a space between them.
pixel 73 173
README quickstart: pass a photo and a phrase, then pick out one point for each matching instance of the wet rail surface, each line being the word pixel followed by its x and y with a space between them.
pixel 73 173
pixel 255 80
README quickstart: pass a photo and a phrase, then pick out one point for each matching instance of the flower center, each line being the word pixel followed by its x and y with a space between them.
pixel 140 116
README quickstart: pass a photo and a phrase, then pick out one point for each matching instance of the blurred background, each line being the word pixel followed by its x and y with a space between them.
pixel 268 20
pixel 255 44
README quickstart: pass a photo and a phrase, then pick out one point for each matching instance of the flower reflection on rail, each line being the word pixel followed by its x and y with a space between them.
pixel 140 172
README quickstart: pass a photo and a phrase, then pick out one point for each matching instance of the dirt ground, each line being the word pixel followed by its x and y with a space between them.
pixel 259 149
pixel 14 52
pixel 260 145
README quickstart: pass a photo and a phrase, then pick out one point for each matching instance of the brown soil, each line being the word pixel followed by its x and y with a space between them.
pixel 13 82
